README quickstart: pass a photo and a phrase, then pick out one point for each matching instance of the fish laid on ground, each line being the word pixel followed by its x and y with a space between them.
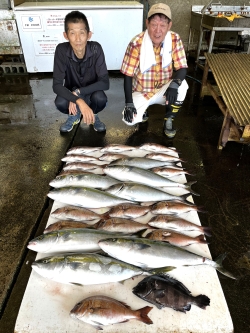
pixel 127 173
pixel 155 147
pixel 81 166
pixel 163 157
pixel 141 162
pixel 174 208
pixel 109 157
pixel 128 211
pixel 142 193
pixel 79 158
pixel 170 171
pixel 61 225
pixel 75 214
pixel 83 179
pixel 69 240
pixel 175 238
pixel 177 224
pixel 117 148
pixel 85 197
pixel 82 150
pixel 117 224
pixel 147 253
pixel 84 269
pixel 164 291
pixel 101 311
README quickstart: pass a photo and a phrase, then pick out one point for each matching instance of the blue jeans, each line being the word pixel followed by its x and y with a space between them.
pixel 96 101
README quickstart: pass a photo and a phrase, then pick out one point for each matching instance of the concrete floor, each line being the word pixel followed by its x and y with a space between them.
pixel 30 156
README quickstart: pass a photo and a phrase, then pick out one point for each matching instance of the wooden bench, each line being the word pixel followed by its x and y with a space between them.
pixel 231 72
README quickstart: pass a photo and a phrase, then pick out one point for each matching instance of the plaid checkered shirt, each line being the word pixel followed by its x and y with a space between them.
pixel 151 81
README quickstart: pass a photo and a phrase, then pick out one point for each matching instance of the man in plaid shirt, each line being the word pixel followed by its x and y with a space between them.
pixel 148 67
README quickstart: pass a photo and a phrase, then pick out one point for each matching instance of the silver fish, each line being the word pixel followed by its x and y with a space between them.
pixel 85 197
pixel 75 214
pixel 142 193
pixel 117 148
pixel 177 224
pixel 69 240
pixel 82 150
pixel 78 158
pixel 84 269
pixel 101 311
pixel 148 253
pixel 134 174
pixel 157 148
pixel 83 179
pixel 141 162
pixel 163 157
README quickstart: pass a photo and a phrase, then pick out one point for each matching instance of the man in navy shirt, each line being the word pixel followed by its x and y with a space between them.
pixel 80 75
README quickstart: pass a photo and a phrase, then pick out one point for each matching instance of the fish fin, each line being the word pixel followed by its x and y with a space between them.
pixel 159 293
pixel 97 326
pixel 220 268
pixel 201 239
pixel 188 187
pixel 184 198
pixel 142 315
pixel 142 246
pixel 200 209
pixel 76 284
pixel 186 308
pixel 202 301
pixel 147 203
pixel 207 231
pixel 175 283
pixel 161 270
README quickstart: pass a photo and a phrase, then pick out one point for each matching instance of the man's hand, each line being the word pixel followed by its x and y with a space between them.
pixel 129 112
pixel 86 111
pixel 171 95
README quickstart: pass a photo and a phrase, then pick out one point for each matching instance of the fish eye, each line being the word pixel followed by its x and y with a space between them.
pixel 113 240
pixel 58 177
pixel 45 261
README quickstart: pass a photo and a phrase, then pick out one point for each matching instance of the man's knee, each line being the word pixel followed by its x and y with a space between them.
pixel 62 104
pixel 98 101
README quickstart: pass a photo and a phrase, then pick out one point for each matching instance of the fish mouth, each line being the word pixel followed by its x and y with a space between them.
pixel 31 245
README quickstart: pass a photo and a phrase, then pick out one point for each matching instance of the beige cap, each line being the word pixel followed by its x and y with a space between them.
pixel 160 8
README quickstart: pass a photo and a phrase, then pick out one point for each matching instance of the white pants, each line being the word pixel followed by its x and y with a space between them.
pixel 141 103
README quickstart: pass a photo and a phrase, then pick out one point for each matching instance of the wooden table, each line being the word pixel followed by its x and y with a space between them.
pixel 231 72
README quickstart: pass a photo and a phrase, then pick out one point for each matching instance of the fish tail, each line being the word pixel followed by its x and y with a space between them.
pixel 184 198
pixel 188 187
pixel 207 231
pixel 202 301
pixel 220 268
pixel 200 209
pixel 201 239
pixel 142 315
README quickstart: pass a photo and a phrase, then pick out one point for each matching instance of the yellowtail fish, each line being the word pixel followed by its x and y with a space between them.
pixel 147 253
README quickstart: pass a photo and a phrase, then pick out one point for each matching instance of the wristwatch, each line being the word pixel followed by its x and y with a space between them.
pixel 178 81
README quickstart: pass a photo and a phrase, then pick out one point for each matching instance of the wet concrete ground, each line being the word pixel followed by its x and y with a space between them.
pixel 30 156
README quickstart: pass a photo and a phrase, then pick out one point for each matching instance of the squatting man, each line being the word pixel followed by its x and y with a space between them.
pixel 80 75
pixel 154 68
